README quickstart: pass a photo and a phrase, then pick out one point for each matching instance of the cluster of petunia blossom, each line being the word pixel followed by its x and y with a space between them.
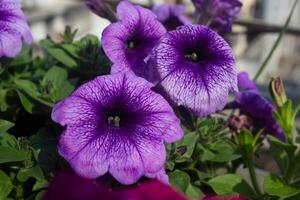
pixel 257 109
pixel 117 123
pixel 217 14
pixel 13 28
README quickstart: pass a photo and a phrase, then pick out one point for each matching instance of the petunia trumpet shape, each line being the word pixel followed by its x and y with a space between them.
pixel 128 42
pixel 171 16
pixel 116 124
pixel 13 28
pixel 195 68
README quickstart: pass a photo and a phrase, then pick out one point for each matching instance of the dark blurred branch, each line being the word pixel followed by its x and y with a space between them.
pixel 259 26
pixel 253 26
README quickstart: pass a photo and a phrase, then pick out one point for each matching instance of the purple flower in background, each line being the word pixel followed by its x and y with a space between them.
pixel 13 28
pixel 259 109
pixel 171 16
pixel 129 41
pixel 69 186
pixel 218 14
pixel 246 84
pixel 116 124
pixel 101 8
pixel 196 68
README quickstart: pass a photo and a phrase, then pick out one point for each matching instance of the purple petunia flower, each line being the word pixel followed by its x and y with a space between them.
pixel 218 14
pixel 129 41
pixel 246 84
pixel 195 68
pixel 13 28
pixel 66 185
pixel 171 16
pixel 116 124
pixel 259 109
pixel 101 8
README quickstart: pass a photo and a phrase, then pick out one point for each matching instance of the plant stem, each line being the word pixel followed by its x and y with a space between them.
pixel 253 177
pixel 278 40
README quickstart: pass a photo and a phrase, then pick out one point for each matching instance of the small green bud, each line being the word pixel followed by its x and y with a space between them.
pixel 277 91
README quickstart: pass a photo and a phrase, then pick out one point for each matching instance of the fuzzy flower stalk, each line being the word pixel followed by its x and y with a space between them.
pixel 116 124
pixel 13 28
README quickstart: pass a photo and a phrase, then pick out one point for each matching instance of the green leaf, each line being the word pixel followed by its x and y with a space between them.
pixel 273 185
pixel 180 180
pixel 61 56
pixel 8 140
pixel 45 146
pixel 289 148
pixel 29 87
pixel 9 154
pixel 71 49
pixel 56 81
pixel 3 103
pixel 193 191
pixel 188 142
pixel 39 184
pixel 5 125
pixel 275 45
pixel 26 103
pixel 23 58
pixel 34 172
pixel 219 152
pixel 298 134
pixel 280 156
pixel 230 184
pixel 69 35
pixel 6 185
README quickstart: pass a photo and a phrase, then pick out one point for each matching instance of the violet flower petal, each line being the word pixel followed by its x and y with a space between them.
pixel 196 68
pixel 13 28
pixel 129 41
pixel 116 124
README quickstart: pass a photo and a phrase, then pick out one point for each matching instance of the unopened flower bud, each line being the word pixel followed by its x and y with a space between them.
pixel 277 91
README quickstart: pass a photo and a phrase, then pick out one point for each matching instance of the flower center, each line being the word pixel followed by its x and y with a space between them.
pixel 130 44
pixel 114 121
pixel 193 57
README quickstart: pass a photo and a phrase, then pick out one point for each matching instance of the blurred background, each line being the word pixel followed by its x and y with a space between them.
pixel 252 38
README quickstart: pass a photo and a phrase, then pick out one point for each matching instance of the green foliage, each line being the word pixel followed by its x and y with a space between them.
pixel 30 84
pixel 6 185
pixel 191 161
pixel 275 186
pixel 229 184
pixel 204 161
pixel 5 125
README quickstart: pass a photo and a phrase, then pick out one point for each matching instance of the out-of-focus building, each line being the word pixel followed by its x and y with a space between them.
pixel 51 17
